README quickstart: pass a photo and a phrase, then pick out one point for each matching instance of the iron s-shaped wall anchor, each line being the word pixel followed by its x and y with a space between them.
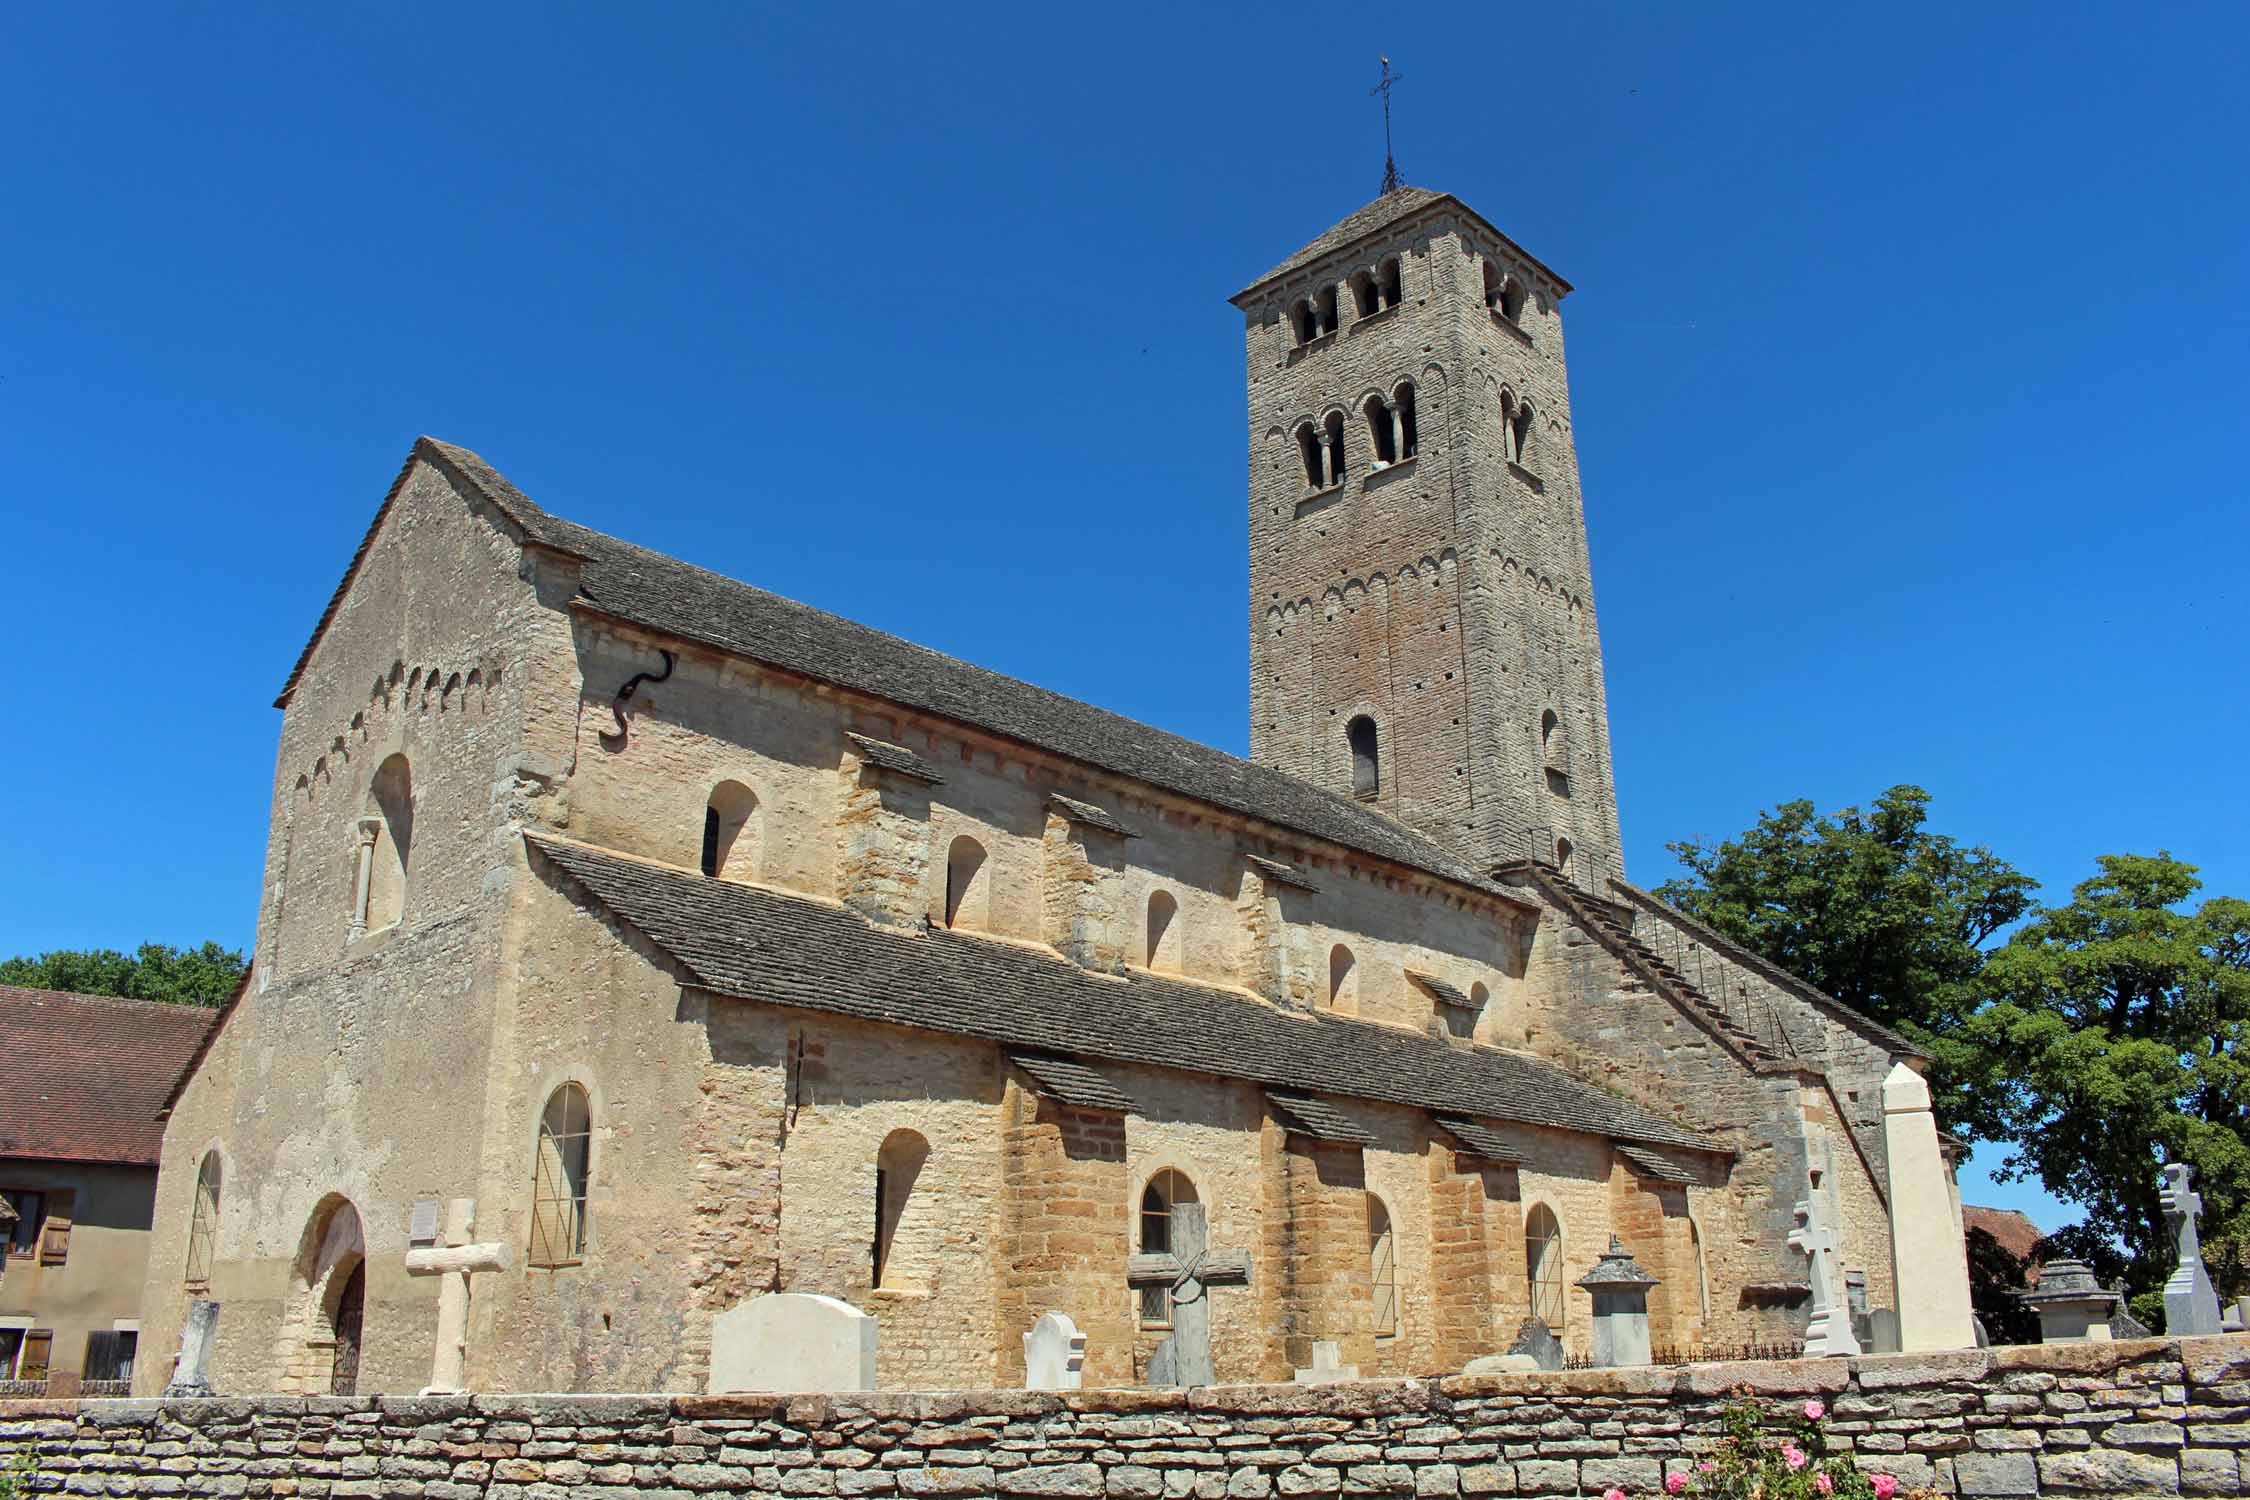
pixel 617 705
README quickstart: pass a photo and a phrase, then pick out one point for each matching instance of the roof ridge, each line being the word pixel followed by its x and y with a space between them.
pixel 8 991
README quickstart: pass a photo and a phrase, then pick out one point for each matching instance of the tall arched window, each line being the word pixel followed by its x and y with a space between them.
pixel 386 841
pixel 203 1225
pixel 1382 439
pixel 1389 283
pixel 968 901
pixel 1365 302
pixel 1543 1266
pixel 1163 931
pixel 558 1185
pixel 1548 745
pixel 730 832
pixel 1382 1268
pixel 1503 293
pixel 1309 450
pixel 1402 412
pixel 1165 1190
pixel 1702 1277
pixel 1519 434
pixel 1564 852
pixel 898 1164
pixel 1333 431
pixel 1343 980
pixel 1367 760
pixel 1325 306
pixel 1301 321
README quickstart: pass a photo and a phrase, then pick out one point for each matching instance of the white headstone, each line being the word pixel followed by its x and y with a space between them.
pixel 191 1373
pixel 1054 1354
pixel 1929 1261
pixel 1328 1365
pixel 792 1341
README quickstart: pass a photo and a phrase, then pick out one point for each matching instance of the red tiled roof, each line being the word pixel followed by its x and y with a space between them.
pixel 87 1074
pixel 2017 1235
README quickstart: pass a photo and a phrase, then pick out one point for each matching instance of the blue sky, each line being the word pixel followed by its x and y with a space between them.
pixel 1908 370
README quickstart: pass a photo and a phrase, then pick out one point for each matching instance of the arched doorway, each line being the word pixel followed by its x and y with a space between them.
pixel 351 1309
pixel 322 1335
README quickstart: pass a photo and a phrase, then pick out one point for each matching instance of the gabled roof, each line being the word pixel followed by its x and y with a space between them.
pixel 753 943
pixel 1372 218
pixel 662 594
pixel 87 1075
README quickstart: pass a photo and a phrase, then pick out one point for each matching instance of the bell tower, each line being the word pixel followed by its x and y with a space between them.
pixel 1422 616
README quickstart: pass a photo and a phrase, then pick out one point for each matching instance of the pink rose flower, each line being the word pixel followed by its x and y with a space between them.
pixel 1613 1493
pixel 1707 1467
pixel 1793 1455
pixel 1674 1482
pixel 1823 1483
pixel 1886 1485
pixel 1814 1411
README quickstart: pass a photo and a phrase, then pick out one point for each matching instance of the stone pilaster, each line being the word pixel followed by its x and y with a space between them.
pixel 1064 1233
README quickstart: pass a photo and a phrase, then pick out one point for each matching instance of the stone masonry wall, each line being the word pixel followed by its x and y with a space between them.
pixel 2151 1417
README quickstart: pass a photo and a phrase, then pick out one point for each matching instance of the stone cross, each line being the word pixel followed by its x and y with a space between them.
pixel 1830 1331
pixel 455 1261
pixel 1190 1270
pixel 2191 1304
pixel 191 1372
pixel 1054 1354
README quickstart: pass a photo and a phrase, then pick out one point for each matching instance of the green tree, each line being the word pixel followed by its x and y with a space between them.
pixel 156 971
pixel 2113 1039
pixel 1872 907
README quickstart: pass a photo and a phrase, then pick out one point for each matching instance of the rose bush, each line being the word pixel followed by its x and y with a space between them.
pixel 1787 1459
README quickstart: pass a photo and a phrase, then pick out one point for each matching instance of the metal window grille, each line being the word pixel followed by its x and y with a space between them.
pixel 1543 1258
pixel 558 1207
pixel 1382 1257
pixel 204 1225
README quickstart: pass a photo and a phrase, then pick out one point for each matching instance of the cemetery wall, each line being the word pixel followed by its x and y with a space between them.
pixel 2148 1417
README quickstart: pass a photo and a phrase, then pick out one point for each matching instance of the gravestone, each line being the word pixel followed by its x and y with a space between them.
pixel 2122 1323
pixel 2191 1304
pixel 191 1372
pixel 1328 1365
pixel 1537 1341
pixel 2233 1322
pixel 792 1341
pixel 1929 1259
pixel 1054 1354
pixel 1882 1331
pixel 2072 1306
pixel 455 1262
pixel 1829 1334
pixel 1855 1300
pixel 1190 1270
pixel 1620 1291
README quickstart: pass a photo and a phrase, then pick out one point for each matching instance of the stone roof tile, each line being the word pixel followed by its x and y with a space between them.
pixel 1318 1118
pixel 1373 217
pixel 754 943
pixel 885 756
pixel 1072 1083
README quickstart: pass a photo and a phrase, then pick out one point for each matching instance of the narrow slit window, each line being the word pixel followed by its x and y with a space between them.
pixel 1382 1268
pixel 1367 759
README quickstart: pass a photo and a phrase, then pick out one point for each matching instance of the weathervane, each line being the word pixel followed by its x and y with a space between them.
pixel 1392 182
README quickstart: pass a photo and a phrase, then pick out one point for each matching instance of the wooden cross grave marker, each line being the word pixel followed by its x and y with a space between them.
pixel 1189 1271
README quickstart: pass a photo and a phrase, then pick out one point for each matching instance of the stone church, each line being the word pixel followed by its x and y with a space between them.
pixel 714 945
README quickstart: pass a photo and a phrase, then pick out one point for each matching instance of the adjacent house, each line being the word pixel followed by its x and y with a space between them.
pixel 87 1076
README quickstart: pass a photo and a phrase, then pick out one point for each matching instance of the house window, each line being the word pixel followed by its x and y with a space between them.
pixel 31 1211
pixel 898 1164
pixel 26 1353
pixel 1382 438
pixel 11 1349
pixel 203 1224
pixel 730 832
pixel 1165 1190
pixel 1163 931
pixel 1543 1266
pixel 109 1354
pixel 1367 760
pixel 968 899
pixel 559 1176
pixel 1382 1268
pixel 1343 980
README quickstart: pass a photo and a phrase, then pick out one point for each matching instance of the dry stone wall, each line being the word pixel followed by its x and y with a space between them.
pixel 2151 1417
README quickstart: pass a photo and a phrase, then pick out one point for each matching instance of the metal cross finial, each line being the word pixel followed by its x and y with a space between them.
pixel 1392 182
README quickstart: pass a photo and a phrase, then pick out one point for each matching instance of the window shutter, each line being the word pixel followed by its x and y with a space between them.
pixel 54 1240
pixel 38 1350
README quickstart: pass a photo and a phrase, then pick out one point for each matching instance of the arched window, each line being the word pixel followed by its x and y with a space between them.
pixel 1166 1190
pixel 1324 307
pixel 1333 431
pixel 1409 429
pixel 1382 1268
pixel 1367 761
pixel 968 901
pixel 1511 300
pixel 1301 321
pixel 386 840
pixel 1702 1276
pixel 558 1184
pixel 1309 449
pixel 897 1165
pixel 1563 852
pixel 1518 416
pixel 1388 282
pixel 203 1225
pixel 1550 745
pixel 1163 931
pixel 1364 298
pixel 1343 980
pixel 1493 281
pixel 730 832
pixel 1381 438
pixel 1543 1266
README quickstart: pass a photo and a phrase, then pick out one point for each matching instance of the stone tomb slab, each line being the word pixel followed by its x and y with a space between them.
pixel 792 1341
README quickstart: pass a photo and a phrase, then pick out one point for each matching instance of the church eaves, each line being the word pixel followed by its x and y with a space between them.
pixel 752 943
pixel 662 594
pixel 1380 214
